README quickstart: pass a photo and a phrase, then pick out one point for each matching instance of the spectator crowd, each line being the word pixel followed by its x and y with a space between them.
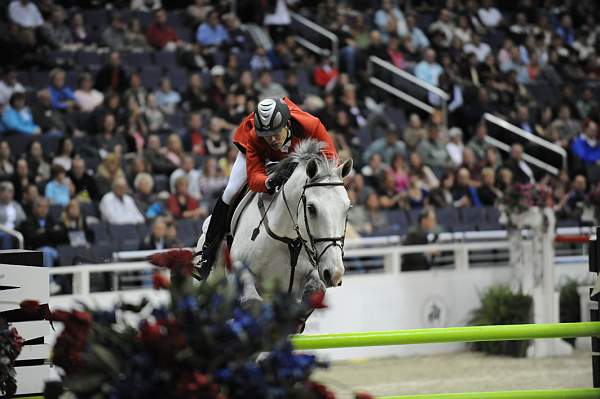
pixel 123 115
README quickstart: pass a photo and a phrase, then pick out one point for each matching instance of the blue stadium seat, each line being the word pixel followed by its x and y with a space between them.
pixel 89 58
pixel 68 255
pixel 448 218
pixel 102 253
pixel 95 17
pixel 137 59
pixel 151 76
pixel 55 212
pixel 125 236
pixel 161 183
pixel 100 233
pixel 472 218
pixel 186 233
pixel 179 78
pixel 165 58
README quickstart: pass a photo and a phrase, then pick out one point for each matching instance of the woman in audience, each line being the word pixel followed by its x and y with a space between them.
pixel 86 97
pixel 181 204
pixel 6 160
pixel 107 172
pixel 424 172
pixel 79 31
pixel 441 196
pixel 63 97
pixel 417 195
pixel 59 189
pixel 488 193
pixel 159 236
pixel 37 163
pixel 74 229
pixel 65 154
pixel 175 151
pixel 144 197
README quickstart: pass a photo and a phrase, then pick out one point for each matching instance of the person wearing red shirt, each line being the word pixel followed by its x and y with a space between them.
pixel 181 204
pixel 271 132
pixel 159 34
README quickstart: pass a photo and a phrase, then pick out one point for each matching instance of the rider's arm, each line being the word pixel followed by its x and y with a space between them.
pixel 255 169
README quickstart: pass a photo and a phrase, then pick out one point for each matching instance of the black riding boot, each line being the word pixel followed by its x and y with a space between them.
pixel 214 235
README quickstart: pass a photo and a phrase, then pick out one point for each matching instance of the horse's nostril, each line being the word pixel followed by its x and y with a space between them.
pixel 327 277
pixel 340 283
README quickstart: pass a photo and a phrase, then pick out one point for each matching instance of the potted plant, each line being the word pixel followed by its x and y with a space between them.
pixel 500 305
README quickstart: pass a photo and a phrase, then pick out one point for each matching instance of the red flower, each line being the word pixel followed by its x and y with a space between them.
pixel 320 390
pixel 177 260
pixel 72 341
pixel 363 395
pixel 30 306
pixel 150 333
pixel 160 281
pixel 316 300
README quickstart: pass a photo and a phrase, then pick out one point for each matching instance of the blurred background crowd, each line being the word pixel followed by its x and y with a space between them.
pixel 117 117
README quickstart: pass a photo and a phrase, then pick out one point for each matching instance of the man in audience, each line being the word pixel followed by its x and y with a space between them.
pixel 11 213
pixel 432 150
pixel 156 157
pixel 9 85
pixel 160 35
pixel 112 76
pixel 387 146
pixel 114 35
pixel 40 232
pixel 118 207
pixel 212 32
pixel 25 14
pixel 420 235
pixel 193 177
pixel 49 119
pixel 83 182
pixel 521 171
pixel 429 70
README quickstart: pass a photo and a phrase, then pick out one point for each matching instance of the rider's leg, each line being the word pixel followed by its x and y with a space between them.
pixel 218 220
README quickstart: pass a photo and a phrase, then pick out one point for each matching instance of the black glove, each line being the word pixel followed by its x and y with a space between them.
pixel 278 179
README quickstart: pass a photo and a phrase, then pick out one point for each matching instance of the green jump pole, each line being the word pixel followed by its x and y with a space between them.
pixel 451 334
pixel 577 393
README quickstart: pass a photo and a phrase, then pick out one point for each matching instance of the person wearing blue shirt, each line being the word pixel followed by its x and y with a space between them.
pixel 63 96
pixel 212 33
pixel 58 190
pixel 17 118
pixel 429 70
pixel 586 146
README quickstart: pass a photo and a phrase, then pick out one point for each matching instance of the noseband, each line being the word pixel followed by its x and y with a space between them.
pixel 295 245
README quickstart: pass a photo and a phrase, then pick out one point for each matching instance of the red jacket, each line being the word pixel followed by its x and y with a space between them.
pixel 158 36
pixel 257 151
pixel 175 208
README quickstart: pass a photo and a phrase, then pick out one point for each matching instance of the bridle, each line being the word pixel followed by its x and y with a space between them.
pixel 296 244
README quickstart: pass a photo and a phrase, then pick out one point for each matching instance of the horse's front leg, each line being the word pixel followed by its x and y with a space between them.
pixel 312 285
pixel 250 296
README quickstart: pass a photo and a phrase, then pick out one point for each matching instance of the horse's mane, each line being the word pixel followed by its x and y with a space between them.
pixel 306 151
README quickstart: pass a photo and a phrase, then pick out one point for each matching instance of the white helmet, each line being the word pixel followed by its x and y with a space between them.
pixel 270 115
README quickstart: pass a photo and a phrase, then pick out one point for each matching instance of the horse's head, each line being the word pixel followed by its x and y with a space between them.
pixel 322 205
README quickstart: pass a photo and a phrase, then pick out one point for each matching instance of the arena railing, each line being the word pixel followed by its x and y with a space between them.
pixel 320 31
pixel 406 79
pixel 531 138
pixel 17 235
pixel 466 256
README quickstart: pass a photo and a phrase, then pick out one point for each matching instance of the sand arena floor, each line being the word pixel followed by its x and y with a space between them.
pixel 457 372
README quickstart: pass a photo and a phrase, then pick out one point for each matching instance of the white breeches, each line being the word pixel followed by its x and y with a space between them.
pixel 237 179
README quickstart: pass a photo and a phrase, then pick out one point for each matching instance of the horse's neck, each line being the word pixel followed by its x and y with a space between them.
pixel 281 219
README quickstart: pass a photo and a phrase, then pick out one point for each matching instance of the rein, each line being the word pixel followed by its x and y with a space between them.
pixel 295 245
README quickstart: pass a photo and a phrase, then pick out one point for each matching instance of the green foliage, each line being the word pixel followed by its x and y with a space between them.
pixel 499 305
pixel 570 307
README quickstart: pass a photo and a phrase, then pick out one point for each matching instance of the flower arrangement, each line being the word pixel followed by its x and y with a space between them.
pixel 522 197
pixel 10 348
pixel 204 344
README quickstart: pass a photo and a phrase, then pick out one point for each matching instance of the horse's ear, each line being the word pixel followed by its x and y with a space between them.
pixel 345 169
pixel 312 168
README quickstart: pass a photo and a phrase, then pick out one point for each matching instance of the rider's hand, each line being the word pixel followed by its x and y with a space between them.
pixel 278 179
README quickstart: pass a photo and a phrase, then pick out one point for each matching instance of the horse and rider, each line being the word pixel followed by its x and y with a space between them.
pixel 275 131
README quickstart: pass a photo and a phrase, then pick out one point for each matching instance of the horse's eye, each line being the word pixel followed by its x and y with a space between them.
pixel 312 210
